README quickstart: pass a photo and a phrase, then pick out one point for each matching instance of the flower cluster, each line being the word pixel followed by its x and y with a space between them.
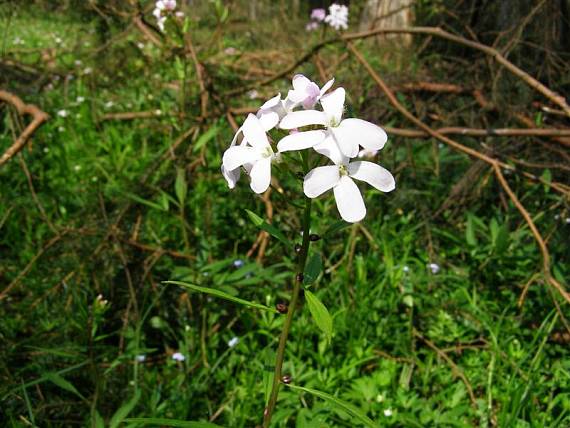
pixel 337 18
pixel 325 131
pixel 163 9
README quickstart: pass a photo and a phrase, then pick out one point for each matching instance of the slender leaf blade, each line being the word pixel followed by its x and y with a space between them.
pixel 123 411
pixel 347 407
pixel 269 228
pixel 62 383
pixel 320 314
pixel 222 295
pixel 313 269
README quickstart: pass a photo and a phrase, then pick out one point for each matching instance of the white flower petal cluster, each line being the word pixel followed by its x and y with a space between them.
pixel 337 17
pixel 163 8
pixel 339 139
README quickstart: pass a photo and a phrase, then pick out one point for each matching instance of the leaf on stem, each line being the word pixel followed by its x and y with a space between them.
pixel 320 314
pixel 221 294
pixel 353 411
pixel 269 228
pixel 313 269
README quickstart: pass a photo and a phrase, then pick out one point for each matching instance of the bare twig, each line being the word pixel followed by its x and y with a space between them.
pixel 39 117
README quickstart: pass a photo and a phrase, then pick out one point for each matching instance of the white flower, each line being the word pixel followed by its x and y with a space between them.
pixel 253 94
pixel 337 17
pixel 273 110
pixel 109 104
pixel 342 137
pixel 306 92
pixel 346 193
pixel 88 70
pixel 406 269
pixel 77 168
pixel 79 100
pixel 140 358
pixel 233 341
pixel 62 113
pixel 318 14
pixel 161 10
pixel 254 153
pixel 231 51
pixel 78 63
pixel 177 356
pixel 238 263
pixel 434 268
pixel 388 412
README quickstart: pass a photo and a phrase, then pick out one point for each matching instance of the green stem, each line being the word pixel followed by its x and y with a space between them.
pixel 268 413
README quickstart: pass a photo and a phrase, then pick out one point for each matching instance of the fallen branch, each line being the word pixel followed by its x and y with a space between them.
pixel 478 132
pixel 496 164
pixel 555 98
pixel 39 117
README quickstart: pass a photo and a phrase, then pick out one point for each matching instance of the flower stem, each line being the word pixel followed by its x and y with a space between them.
pixel 268 413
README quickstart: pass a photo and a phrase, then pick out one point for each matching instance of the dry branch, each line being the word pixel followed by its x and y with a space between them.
pixel 39 117
pixel 557 99
pixel 496 164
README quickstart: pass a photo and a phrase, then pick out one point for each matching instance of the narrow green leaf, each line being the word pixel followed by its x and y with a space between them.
pixel 180 186
pixel 221 294
pixel 205 138
pixel 343 405
pixel 339 225
pixel 123 411
pixel 320 314
pixel 313 269
pixel 144 201
pixel 172 423
pixel 62 383
pixel 269 228
pixel 470 231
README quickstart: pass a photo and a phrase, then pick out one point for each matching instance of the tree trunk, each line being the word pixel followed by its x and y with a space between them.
pixel 388 14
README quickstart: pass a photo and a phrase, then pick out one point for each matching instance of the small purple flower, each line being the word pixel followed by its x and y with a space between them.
pixel 178 356
pixel 434 268
pixel 238 263
pixel 318 14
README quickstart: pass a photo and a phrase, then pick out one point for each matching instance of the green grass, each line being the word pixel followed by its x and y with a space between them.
pixel 68 357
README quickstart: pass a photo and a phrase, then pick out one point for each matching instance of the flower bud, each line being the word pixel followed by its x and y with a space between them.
pixel 298 248
pixel 281 308
pixel 314 237
pixel 299 277
pixel 286 379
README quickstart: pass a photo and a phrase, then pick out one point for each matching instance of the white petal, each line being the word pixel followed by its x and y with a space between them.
pixel 236 156
pixel 300 82
pixel 330 149
pixel 349 200
pixel 300 140
pixel 368 135
pixel 231 177
pixel 373 174
pixel 236 137
pixel 333 104
pixel 327 86
pixel 347 143
pixel 320 179
pixel 269 119
pixel 296 96
pixel 260 175
pixel 254 132
pixel 296 119
pixel 273 102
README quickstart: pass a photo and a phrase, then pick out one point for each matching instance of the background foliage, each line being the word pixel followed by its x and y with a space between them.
pixel 99 209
